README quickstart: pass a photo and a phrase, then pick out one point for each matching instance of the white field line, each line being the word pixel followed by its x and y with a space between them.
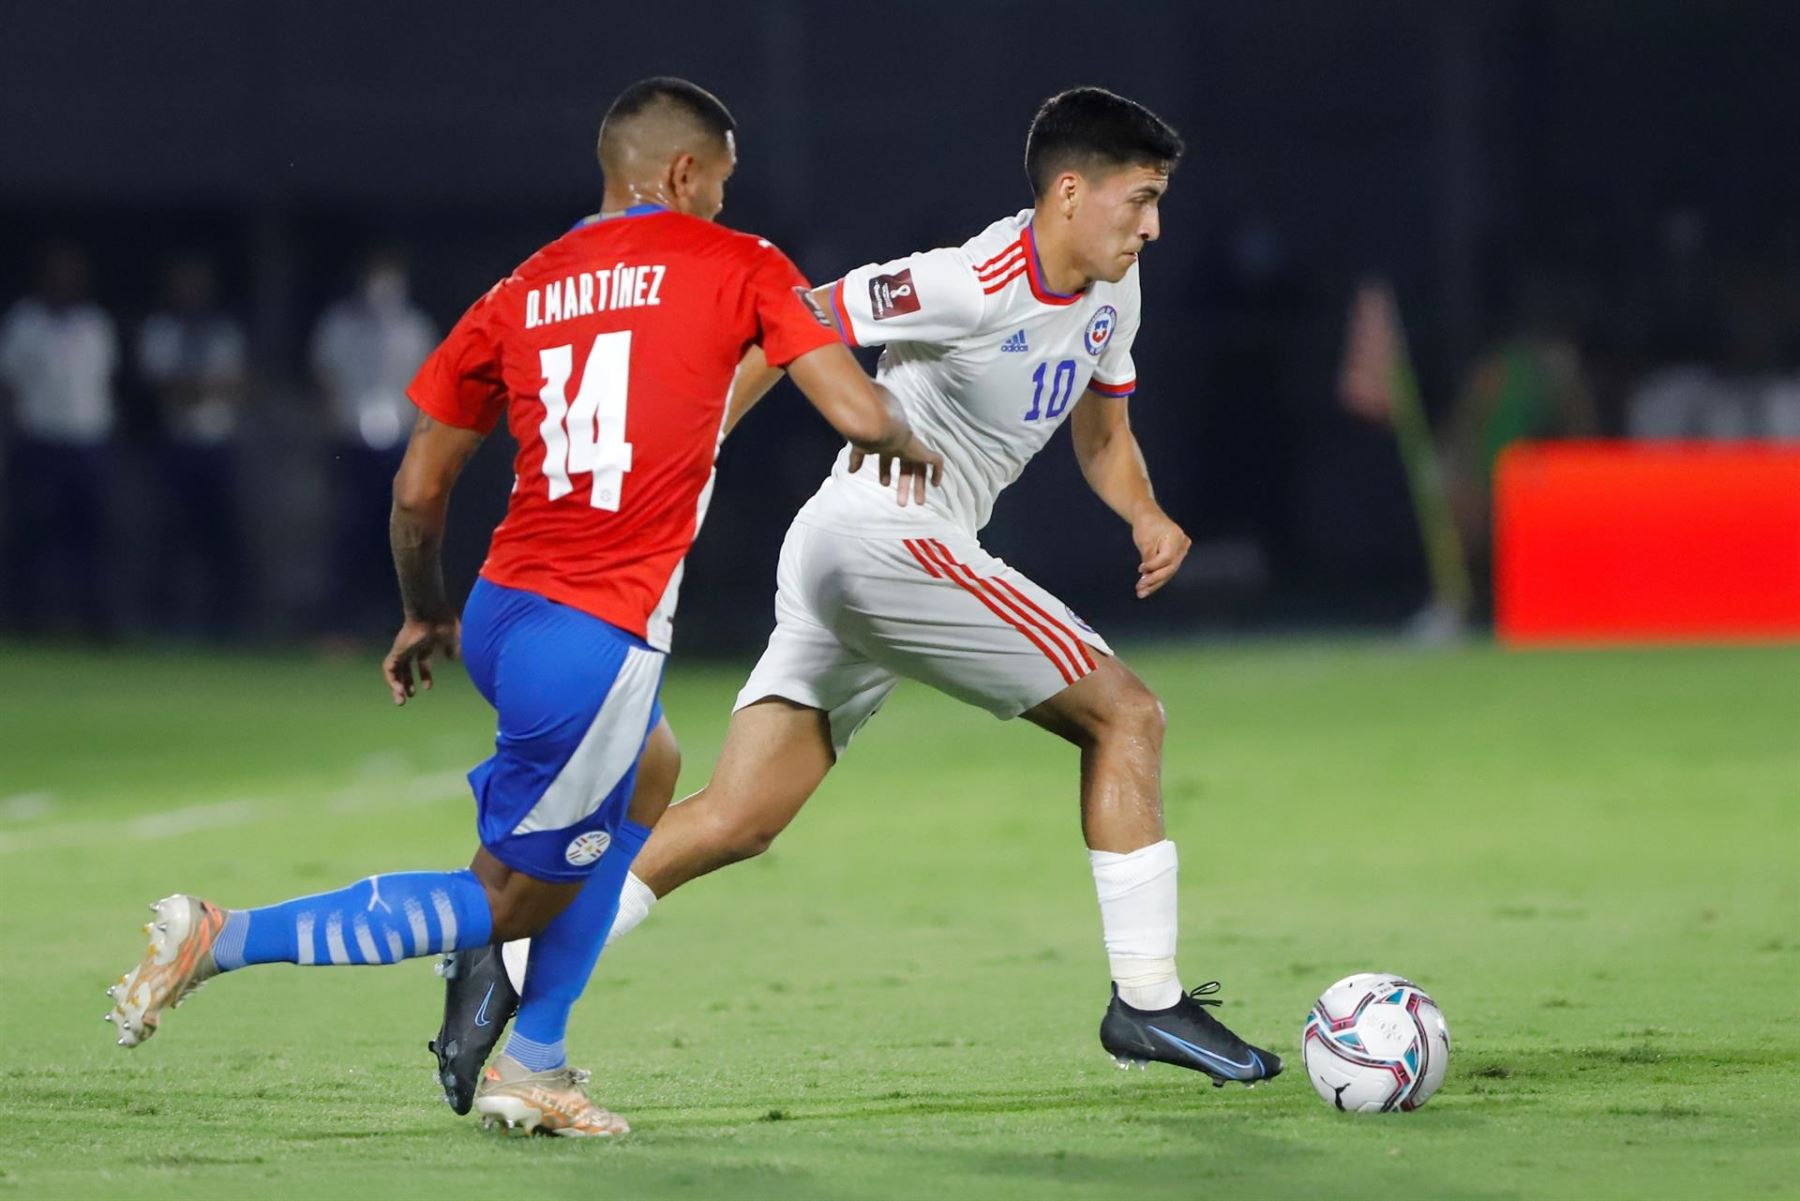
pixel 26 806
pixel 412 790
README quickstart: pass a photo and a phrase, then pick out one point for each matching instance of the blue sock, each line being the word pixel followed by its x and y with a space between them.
pixel 564 955
pixel 383 919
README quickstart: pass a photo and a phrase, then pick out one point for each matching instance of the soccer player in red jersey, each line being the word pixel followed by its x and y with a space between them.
pixel 610 354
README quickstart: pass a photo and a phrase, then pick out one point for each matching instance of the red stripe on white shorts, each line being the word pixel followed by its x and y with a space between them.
pixel 994 607
pixel 911 546
pixel 1086 657
pixel 1068 662
pixel 1061 635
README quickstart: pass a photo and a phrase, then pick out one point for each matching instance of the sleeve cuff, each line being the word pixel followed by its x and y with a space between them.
pixel 845 329
pixel 1124 389
pixel 817 337
pixel 427 404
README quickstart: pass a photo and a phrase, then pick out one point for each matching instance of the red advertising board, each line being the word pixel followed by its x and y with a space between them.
pixel 1609 542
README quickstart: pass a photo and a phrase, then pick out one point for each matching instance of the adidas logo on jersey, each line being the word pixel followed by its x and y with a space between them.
pixel 1015 344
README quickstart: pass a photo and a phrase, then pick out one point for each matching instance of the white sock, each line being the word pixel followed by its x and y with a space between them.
pixel 1138 917
pixel 635 900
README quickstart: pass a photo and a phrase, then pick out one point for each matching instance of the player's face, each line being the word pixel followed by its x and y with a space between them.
pixel 1116 217
pixel 699 183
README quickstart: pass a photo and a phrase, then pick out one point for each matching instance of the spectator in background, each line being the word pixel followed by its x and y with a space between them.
pixel 1527 384
pixel 193 357
pixel 365 352
pixel 58 354
pixel 1739 394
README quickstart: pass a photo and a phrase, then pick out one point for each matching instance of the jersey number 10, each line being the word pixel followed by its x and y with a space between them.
pixel 588 434
pixel 1062 390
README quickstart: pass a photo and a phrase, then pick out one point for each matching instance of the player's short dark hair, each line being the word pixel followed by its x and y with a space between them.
pixel 1092 129
pixel 690 99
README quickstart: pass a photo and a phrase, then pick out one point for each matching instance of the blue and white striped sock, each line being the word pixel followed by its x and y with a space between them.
pixel 539 1057
pixel 564 954
pixel 383 919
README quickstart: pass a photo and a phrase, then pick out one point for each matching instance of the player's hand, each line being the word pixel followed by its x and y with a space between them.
pixel 1163 545
pixel 414 645
pixel 917 462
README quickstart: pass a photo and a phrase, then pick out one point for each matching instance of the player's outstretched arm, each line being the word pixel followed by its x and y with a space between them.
pixel 754 375
pixel 753 380
pixel 435 456
pixel 1114 466
pixel 868 417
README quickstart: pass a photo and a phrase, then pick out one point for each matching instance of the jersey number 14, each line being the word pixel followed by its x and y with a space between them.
pixel 587 435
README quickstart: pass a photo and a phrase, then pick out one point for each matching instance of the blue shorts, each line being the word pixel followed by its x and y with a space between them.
pixel 577 699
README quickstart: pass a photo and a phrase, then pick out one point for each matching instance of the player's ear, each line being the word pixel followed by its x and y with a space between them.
pixel 1068 192
pixel 683 174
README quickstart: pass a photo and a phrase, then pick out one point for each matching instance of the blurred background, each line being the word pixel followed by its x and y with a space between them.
pixel 228 234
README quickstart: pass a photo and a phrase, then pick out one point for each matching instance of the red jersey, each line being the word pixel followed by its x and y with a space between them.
pixel 611 352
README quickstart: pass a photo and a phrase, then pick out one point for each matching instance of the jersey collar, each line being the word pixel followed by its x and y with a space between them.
pixel 636 210
pixel 1034 273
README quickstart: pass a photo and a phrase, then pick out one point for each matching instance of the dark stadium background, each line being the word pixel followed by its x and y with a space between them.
pixel 1451 146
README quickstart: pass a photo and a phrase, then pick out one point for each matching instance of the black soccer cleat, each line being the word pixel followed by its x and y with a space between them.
pixel 479 1000
pixel 1186 1036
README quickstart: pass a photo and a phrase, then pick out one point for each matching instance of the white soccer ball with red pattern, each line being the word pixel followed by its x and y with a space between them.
pixel 1375 1043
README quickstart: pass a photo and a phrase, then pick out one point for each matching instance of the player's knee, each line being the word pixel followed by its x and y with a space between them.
pixel 1134 712
pixel 752 839
pixel 736 837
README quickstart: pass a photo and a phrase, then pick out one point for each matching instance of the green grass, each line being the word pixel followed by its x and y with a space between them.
pixel 1591 860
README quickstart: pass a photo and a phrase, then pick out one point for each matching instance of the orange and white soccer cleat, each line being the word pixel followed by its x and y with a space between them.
pixel 178 961
pixel 554 1102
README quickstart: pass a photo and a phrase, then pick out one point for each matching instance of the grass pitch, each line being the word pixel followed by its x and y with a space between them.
pixel 1592 861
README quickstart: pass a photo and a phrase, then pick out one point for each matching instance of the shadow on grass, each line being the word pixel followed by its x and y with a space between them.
pixel 1180 1105
pixel 982 1102
pixel 1246 1163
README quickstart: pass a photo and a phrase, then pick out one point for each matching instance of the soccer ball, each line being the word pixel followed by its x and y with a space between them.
pixel 1375 1043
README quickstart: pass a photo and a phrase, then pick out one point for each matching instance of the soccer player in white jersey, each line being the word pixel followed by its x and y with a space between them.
pixel 990 345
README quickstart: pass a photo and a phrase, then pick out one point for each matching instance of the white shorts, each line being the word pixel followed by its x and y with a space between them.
pixel 854 613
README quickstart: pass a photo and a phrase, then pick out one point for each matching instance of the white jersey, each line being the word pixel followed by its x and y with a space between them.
pixel 988 362
pixel 59 362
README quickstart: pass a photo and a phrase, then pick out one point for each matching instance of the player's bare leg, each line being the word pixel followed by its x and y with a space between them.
pixel 1117 722
pixel 480 996
pixel 659 768
pixel 522 905
pixel 776 754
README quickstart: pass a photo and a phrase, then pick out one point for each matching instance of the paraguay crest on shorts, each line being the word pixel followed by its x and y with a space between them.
pixel 587 846
pixel 1100 328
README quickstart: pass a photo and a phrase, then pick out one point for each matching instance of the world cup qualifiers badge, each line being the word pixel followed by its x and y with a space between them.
pixel 1100 328
pixel 893 295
